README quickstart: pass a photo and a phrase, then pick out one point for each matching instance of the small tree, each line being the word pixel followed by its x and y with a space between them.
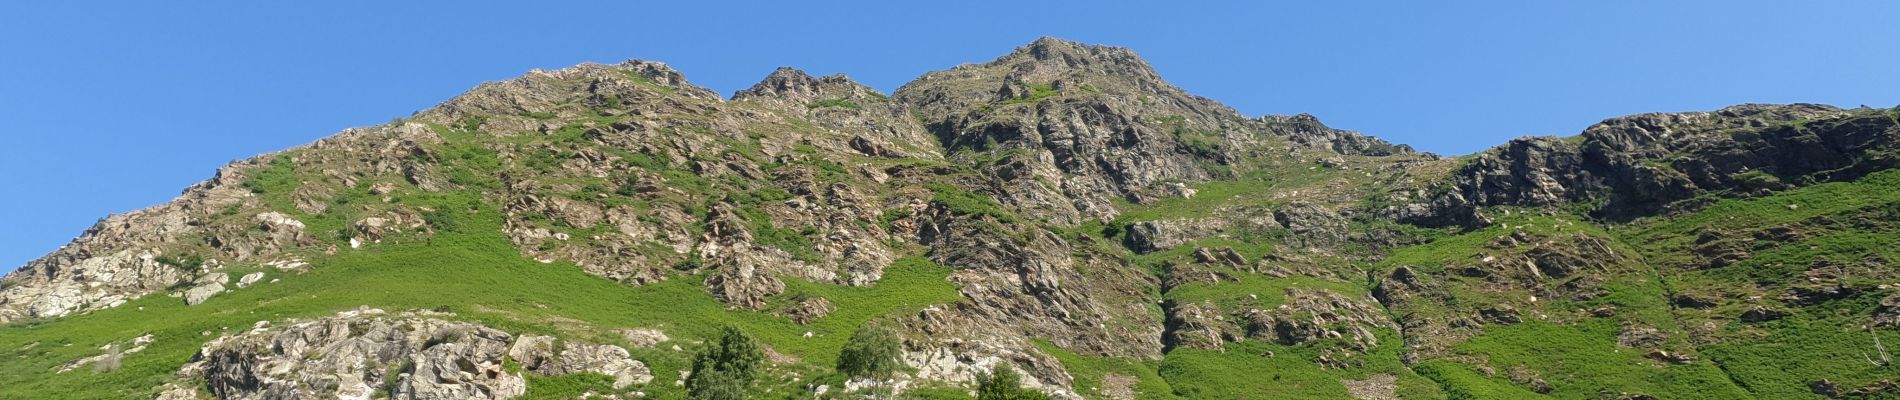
pixel 725 370
pixel 872 352
pixel 1002 383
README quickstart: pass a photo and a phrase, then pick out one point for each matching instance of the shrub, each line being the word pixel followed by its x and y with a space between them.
pixel 871 352
pixel 1002 383
pixel 442 220
pixel 726 369
pixel 472 122
pixel 187 263
pixel 1037 92
pixel 840 103
pixel 966 203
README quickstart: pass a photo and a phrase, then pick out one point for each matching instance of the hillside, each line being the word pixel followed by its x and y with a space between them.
pixel 1061 211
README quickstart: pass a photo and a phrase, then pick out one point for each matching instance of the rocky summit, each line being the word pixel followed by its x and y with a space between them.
pixel 1060 222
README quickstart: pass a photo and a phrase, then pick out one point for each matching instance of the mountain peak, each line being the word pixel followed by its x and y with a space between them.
pixel 1050 58
pixel 1049 45
pixel 793 84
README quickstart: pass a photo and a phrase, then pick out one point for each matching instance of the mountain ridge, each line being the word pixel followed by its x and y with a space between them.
pixel 1106 233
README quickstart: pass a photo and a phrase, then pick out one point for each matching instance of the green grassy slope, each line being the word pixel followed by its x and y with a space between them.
pixel 474 272
pixel 1844 231
pixel 1576 354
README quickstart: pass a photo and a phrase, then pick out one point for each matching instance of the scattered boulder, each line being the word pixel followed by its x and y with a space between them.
pixel 1502 313
pixel 643 337
pixel 1762 314
pixel 809 309
pixel 1311 224
pixel 1824 387
pixel 1670 357
pixel 250 279
pixel 1640 337
pixel 1196 325
pixel 537 353
pixel 207 286
pixel 1690 300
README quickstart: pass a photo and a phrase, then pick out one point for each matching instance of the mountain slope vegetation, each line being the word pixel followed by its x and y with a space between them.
pixel 1059 219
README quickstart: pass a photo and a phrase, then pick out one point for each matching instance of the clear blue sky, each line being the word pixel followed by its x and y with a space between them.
pixel 109 107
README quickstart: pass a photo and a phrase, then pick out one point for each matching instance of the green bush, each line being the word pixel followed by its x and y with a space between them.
pixel 966 203
pixel 726 369
pixel 840 103
pixel 1002 383
pixel 872 352
pixel 442 219
pixel 1037 92
pixel 764 233
pixel 187 263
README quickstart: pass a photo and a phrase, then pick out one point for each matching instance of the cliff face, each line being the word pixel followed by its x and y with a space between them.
pixel 1062 211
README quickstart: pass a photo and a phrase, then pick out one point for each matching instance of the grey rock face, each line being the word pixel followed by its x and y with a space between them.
pixel 63 284
pixel 1317 314
pixel 1152 236
pixel 1645 164
pixel 537 353
pixel 1306 129
pixel 1013 285
pixel 879 126
pixel 1312 225
pixel 1110 140
pixel 1198 325
pixel 810 309
pixel 357 354
pixel 1528 171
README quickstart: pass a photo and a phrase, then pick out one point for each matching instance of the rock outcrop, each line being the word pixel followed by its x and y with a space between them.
pixel 369 353
pixel 539 354
pixel 1649 163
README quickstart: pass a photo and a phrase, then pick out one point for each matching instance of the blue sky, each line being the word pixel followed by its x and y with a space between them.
pixel 113 106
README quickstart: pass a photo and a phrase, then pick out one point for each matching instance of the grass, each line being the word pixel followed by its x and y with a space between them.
pixel 1246 191
pixel 1842 222
pixel 1089 372
pixel 1578 356
pixel 279 175
pixel 835 103
pixel 570 386
pixel 967 203
pixel 1460 382
pixel 1242 372
pixel 644 81
pixel 765 233
pixel 1583 359
pixel 1037 92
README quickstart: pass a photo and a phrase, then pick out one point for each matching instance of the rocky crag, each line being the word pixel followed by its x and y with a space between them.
pixel 1061 211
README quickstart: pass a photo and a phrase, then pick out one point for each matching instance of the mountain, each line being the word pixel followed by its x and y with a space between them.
pixel 1061 212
